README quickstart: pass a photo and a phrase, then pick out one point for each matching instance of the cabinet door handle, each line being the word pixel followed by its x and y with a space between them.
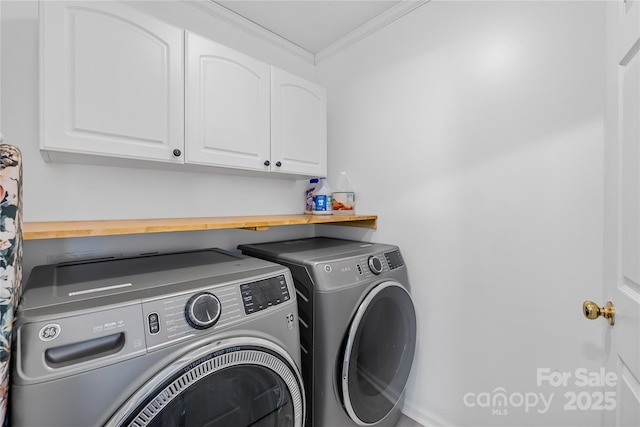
pixel 177 153
pixel 267 162
pixel 278 164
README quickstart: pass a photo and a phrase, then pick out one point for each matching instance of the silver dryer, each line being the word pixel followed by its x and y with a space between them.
pixel 357 326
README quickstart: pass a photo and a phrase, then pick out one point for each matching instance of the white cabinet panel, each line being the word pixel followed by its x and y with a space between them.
pixel 112 82
pixel 113 88
pixel 227 113
pixel 298 125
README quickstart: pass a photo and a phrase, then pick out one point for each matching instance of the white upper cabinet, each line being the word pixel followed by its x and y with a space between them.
pixel 120 87
pixel 227 106
pixel 298 125
pixel 242 113
pixel 112 82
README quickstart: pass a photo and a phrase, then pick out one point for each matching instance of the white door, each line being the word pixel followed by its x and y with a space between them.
pixel 227 106
pixel 298 125
pixel 112 82
pixel 622 221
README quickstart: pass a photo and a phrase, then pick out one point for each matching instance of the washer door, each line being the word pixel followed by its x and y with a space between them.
pixel 378 353
pixel 236 382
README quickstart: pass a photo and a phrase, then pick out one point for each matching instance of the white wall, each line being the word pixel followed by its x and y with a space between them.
pixel 475 130
pixel 56 191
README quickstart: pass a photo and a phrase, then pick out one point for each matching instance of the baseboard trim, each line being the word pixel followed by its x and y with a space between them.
pixel 424 417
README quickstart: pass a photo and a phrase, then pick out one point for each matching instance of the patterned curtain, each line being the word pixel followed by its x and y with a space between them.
pixel 10 259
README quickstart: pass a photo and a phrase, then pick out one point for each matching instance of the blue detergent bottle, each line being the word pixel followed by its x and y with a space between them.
pixel 322 198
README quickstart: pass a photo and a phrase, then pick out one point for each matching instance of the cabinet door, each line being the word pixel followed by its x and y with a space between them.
pixel 112 82
pixel 298 125
pixel 227 106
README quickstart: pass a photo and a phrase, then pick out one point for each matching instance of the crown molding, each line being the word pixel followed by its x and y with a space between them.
pixel 365 30
pixel 250 27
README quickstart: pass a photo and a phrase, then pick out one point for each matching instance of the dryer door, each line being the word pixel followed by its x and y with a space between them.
pixel 234 382
pixel 378 353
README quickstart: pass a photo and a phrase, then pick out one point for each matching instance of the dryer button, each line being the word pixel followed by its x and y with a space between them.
pixel 375 265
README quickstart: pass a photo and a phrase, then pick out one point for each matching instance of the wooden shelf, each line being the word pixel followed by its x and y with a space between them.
pixel 66 229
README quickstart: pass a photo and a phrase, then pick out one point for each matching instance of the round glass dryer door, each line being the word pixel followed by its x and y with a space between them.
pixel 378 354
pixel 248 382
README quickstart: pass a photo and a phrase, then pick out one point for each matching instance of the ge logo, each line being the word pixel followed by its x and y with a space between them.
pixel 49 332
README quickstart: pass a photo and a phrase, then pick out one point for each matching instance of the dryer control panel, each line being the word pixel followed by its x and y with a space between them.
pixel 394 259
pixel 343 272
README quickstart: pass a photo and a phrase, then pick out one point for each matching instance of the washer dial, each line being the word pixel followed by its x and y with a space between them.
pixel 375 265
pixel 203 310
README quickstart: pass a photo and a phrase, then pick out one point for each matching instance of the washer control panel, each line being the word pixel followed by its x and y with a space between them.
pixel 262 294
pixel 179 316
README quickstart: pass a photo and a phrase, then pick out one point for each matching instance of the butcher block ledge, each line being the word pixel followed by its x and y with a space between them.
pixel 66 229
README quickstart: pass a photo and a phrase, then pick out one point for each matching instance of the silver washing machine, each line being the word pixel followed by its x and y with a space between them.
pixel 196 338
pixel 357 326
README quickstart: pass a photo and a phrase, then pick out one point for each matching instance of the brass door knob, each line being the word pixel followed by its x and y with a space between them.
pixel 592 311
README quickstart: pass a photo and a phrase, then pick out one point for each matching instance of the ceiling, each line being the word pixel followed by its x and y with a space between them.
pixel 317 28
